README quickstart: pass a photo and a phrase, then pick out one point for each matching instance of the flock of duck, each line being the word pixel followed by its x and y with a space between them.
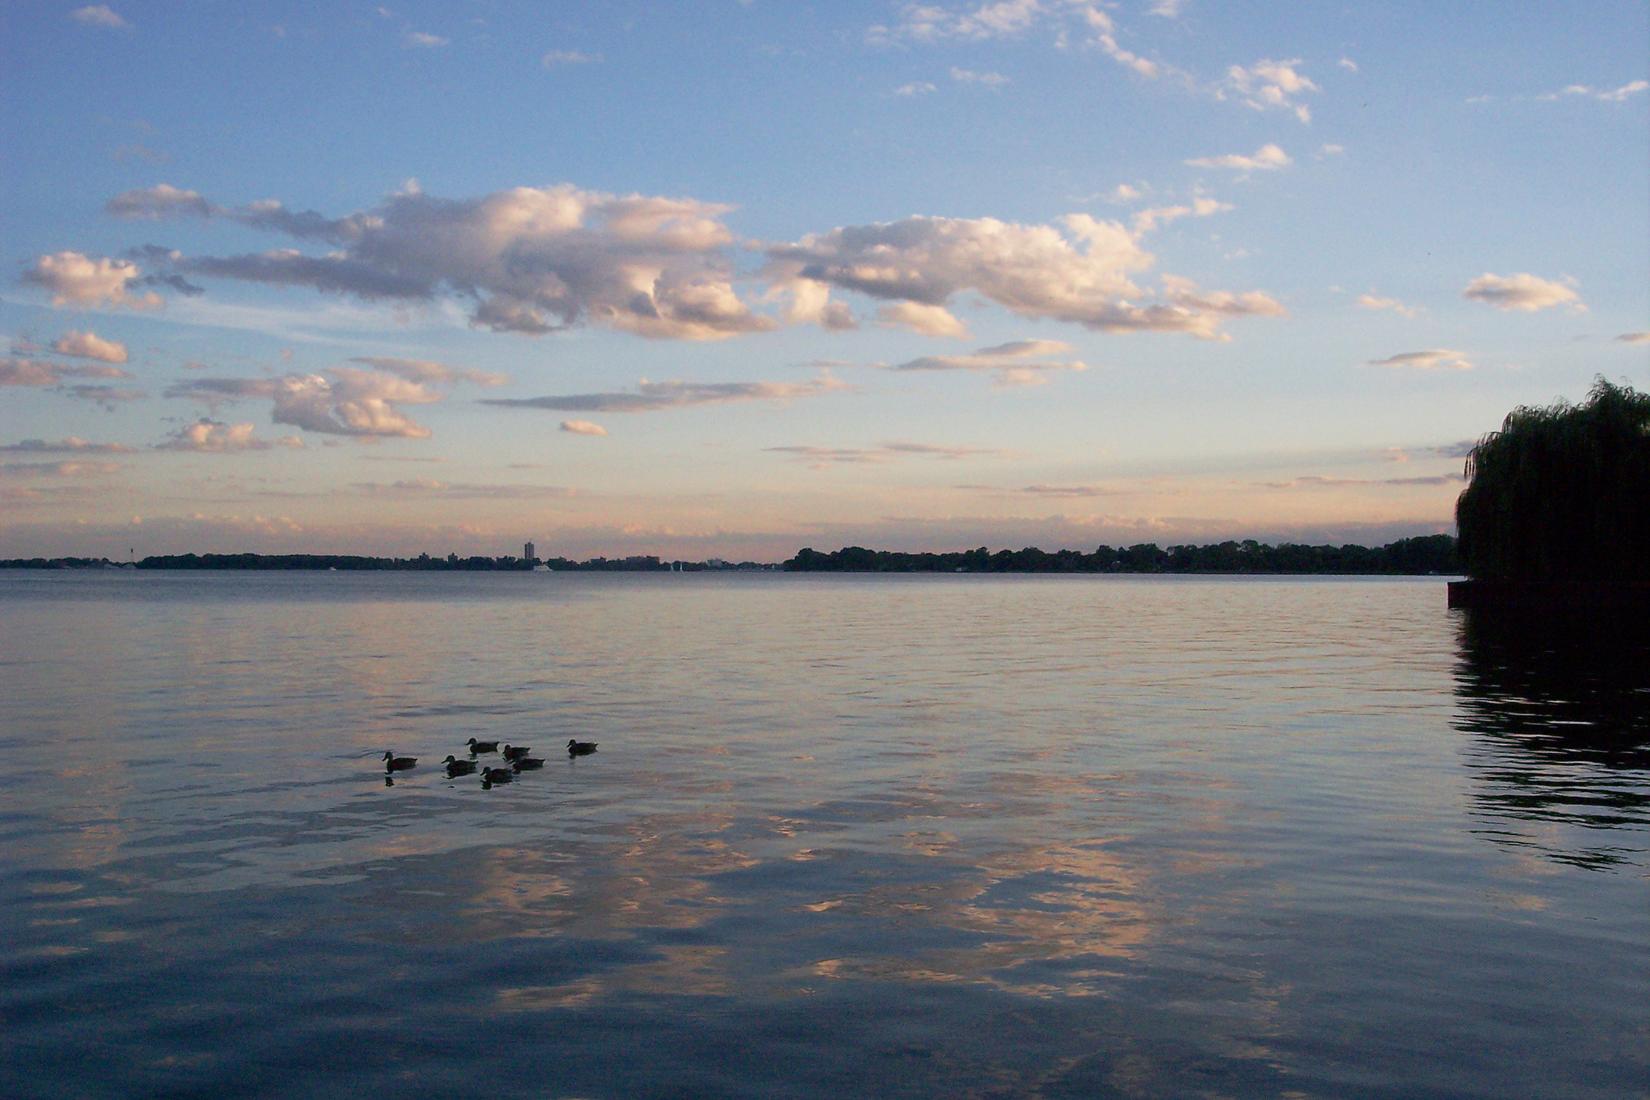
pixel 517 758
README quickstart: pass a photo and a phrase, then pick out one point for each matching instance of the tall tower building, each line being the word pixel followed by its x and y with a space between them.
pixel 527 552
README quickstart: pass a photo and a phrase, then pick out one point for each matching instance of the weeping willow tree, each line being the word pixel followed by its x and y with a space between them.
pixel 1562 492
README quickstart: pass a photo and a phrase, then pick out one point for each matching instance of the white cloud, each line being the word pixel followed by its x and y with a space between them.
pixel 215 437
pixel 1634 338
pixel 1606 95
pixel 655 396
pixel 1078 271
pixel 41 372
pixel 427 370
pixel 984 79
pixel 554 58
pixel 915 88
pixel 160 201
pixel 1168 9
pixel 583 427
pixel 345 401
pixel 1122 194
pixel 931 23
pixel 100 15
pixel 1145 221
pixel 925 319
pixel 1267 158
pixel 76 279
pixel 531 260
pixel 1523 292
pixel 89 345
pixel 1330 150
pixel 1017 363
pixel 422 40
pixel 1348 64
pixel 1373 301
pixel 1433 359
pixel 1268 85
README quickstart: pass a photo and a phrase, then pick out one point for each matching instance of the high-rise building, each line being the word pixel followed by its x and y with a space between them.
pixel 527 552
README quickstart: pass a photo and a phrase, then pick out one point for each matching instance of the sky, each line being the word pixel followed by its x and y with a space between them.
pixel 729 279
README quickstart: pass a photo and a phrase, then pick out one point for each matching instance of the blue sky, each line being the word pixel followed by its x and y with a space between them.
pixel 729 279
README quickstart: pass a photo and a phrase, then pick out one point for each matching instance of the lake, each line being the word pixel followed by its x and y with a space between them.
pixel 843 835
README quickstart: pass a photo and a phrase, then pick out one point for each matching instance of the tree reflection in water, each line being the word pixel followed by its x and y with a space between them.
pixel 1559 709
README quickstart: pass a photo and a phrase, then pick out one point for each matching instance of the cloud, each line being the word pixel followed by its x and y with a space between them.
pixel 582 427
pixel 427 488
pixel 1122 194
pixel 1524 293
pixel 75 279
pixel 346 401
pixel 1078 270
pixel 99 15
pixel 1314 481
pixel 1268 158
pixel 58 469
pixel 1017 363
pixel 1145 221
pixel 553 58
pixel 821 457
pixel 930 23
pixel 916 87
pixel 1634 338
pixel 422 40
pixel 1048 492
pixel 41 372
pixel 530 259
pixel 1105 37
pixel 107 396
pixel 1168 9
pixel 654 396
pixel 215 437
pixel 1433 359
pixel 1330 150
pixel 984 79
pixel 1605 95
pixel 925 319
pixel 1268 85
pixel 70 445
pixel 1348 64
pixel 157 202
pixel 426 370
pixel 89 345
pixel 1372 301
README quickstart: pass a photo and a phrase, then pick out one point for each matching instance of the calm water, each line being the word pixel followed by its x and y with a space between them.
pixel 843 836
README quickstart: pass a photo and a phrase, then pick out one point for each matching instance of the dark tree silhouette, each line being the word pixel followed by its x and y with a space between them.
pixel 1562 492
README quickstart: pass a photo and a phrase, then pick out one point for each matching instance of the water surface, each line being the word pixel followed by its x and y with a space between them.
pixel 1060 836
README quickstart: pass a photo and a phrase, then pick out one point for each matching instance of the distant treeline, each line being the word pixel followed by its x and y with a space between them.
pixel 1423 555
pixel 342 562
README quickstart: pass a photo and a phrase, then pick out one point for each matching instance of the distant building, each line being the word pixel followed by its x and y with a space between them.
pixel 527 552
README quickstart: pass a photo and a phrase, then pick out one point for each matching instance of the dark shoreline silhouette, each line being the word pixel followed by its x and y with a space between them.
pixel 1555 511
pixel 1424 555
pixel 1421 556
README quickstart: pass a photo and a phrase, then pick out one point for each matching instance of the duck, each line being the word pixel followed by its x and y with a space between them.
pixel 459 767
pixel 526 763
pixel 394 763
pixel 580 748
pixel 515 753
pixel 489 776
pixel 481 746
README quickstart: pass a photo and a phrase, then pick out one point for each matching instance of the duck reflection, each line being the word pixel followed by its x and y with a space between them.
pixel 1559 710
